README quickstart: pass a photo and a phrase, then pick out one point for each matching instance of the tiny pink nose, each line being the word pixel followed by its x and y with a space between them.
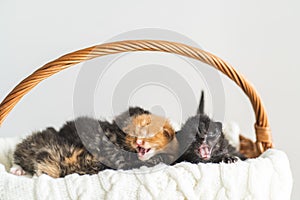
pixel 139 142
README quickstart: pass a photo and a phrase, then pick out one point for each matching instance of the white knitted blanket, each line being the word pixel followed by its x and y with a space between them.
pixel 266 177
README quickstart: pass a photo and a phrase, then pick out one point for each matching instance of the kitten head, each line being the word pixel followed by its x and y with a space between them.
pixel 149 135
pixel 208 135
pixel 202 136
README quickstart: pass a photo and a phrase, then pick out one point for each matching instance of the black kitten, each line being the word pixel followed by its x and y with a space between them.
pixel 105 141
pixel 202 140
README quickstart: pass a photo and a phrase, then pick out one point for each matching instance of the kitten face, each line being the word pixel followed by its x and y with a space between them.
pixel 201 140
pixel 201 136
pixel 207 138
pixel 149 135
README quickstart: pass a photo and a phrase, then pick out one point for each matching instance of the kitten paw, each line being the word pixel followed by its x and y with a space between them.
pixel 17 170
pixel 230 159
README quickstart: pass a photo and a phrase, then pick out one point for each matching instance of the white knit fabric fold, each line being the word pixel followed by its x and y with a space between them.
pixel 266 177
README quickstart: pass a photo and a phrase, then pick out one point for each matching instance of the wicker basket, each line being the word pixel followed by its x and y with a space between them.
pixel 248 148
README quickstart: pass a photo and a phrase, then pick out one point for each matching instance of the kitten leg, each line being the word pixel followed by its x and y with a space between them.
pixel 229 159
pixel 233 152
pixel 159 158
pixel 155 160
pixel 17 170
pixel 240 156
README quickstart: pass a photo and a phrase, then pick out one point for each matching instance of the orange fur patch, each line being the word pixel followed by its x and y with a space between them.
pixel 142 120
pixel 73 158
pixel 150 128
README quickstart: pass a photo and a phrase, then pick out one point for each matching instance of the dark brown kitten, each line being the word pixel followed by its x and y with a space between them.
pixel 47 153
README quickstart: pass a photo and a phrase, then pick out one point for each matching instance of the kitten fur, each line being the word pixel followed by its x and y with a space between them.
pixel 152 137
pixel 202 140
pixel 119 139
pixel 47 153
pixel 87 146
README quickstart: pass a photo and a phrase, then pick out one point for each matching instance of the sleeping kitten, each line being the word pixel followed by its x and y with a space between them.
pixel 47 153
pixel 202 140
pixel 151 136
pixel 87 146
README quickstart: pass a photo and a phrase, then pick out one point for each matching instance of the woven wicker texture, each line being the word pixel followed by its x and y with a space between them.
pixel 250 149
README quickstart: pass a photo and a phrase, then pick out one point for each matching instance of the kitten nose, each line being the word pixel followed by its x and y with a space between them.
pixel 139 142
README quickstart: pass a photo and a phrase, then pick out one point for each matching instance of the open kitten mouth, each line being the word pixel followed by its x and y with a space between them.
pixel 142 151
pixel 204 151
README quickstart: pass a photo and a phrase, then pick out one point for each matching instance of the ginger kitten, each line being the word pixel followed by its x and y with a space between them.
pixel 152 137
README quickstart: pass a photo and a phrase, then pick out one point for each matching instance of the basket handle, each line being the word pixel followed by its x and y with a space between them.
pixel 263 133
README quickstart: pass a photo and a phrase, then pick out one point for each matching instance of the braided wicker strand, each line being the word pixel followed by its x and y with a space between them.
pixel 262 125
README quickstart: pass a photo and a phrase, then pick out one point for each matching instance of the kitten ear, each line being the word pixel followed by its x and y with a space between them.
pixel 219 125
pixel 201 104
pixel 168 131
pixel 137 111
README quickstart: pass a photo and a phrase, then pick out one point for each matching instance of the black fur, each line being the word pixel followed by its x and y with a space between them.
pixel 133 111
pixel 104 140
pixel 201 134
pixel 201 104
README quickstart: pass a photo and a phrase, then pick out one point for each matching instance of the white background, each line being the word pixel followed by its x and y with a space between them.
pixel 259 38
